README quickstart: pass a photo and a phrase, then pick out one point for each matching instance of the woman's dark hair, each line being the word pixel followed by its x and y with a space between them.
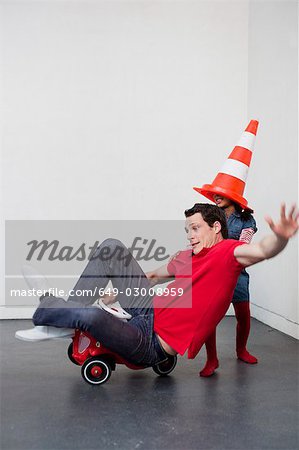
pixel 245 215
pixel 210 214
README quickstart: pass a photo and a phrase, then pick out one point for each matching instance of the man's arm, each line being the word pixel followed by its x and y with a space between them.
pixel 160 275
pixel 271 245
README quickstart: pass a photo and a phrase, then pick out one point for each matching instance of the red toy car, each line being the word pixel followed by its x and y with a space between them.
pixel 98 362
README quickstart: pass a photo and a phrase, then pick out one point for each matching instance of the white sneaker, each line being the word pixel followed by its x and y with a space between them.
pixel 43 333
pixel 34 279
pixel 116 311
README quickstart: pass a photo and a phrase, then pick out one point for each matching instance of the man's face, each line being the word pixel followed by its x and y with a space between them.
pixel 200 234
pixel 222 202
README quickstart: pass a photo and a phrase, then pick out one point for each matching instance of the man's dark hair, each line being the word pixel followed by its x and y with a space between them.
pixel 210 214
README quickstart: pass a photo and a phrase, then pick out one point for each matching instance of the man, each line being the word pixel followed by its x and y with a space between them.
pixel 167 324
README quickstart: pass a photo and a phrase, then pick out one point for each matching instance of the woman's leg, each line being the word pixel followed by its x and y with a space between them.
pixel 212 361
pixel 242 312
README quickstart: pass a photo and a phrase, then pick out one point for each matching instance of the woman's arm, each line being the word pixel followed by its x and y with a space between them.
pixel 246 235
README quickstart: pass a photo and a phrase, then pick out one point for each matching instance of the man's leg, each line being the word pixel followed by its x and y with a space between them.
pixel 110 261
pixel 121 337
pixel 113 262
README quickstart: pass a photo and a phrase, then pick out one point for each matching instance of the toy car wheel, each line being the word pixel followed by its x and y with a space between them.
pixel 96 371
pixel 70 354
pixel 165 367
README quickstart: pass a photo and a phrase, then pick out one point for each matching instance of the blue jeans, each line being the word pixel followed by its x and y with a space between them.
pixel 134 340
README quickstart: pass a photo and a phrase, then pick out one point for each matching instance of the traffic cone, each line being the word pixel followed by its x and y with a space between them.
pixel 230 181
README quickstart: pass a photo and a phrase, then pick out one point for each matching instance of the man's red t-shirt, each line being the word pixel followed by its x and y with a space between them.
pixel 208 279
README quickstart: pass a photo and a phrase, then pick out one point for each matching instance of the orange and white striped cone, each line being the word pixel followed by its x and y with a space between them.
pixel 230 181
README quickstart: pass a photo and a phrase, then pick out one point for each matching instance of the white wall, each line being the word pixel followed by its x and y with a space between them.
pixel 107 97
pixel 113 109
pixel 130 104
pixel 273 97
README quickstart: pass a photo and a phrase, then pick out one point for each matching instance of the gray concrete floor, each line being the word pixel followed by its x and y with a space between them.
pixel 46 405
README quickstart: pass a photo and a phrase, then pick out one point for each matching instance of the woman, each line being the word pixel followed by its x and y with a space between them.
pixel 241 226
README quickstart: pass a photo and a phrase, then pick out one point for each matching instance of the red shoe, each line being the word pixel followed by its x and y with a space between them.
pixel 209 368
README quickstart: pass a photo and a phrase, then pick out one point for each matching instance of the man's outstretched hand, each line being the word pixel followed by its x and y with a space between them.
pixel 288 224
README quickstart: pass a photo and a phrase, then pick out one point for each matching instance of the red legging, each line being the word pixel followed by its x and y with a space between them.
pixel 242 312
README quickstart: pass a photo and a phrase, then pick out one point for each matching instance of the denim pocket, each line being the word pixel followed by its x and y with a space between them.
pixel 146 353
pixel 137 353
